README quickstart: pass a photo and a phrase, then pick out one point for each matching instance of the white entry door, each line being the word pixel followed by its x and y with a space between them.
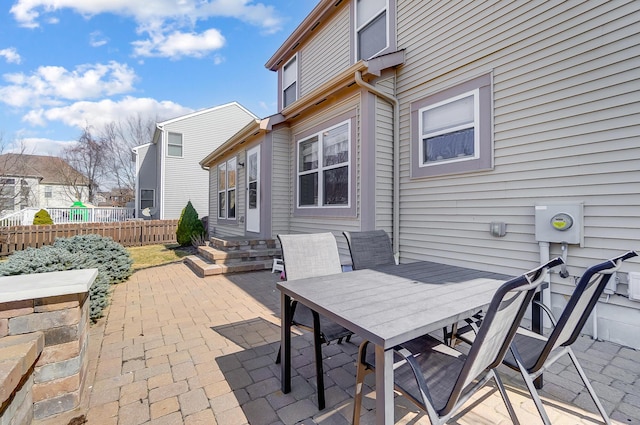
pixel 253 189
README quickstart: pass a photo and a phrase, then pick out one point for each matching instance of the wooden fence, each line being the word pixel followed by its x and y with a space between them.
pixel 127 233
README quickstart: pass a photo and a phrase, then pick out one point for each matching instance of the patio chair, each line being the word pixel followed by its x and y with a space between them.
pixel 532 354
pixel 369 249
pixel 437 377
pixel 312 255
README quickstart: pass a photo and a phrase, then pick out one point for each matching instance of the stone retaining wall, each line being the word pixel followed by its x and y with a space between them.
pixel 56 307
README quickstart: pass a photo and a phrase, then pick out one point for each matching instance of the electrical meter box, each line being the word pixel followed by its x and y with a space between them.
pixel 559 223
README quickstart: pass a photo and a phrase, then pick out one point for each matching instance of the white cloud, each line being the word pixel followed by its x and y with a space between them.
pixel 40 146
pixel 11 55
pixel 81 114
pixel 178 44
pixel 97 39
pixel 51 85
pixel 168 24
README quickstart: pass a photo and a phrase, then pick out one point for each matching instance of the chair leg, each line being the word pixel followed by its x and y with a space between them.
pixel 505 398
pixel 317 345
pixel 278 356
pixel 587 384
pixel 361 372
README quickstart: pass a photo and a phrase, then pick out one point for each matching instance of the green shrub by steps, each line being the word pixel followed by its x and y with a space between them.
pixel 42 218
pixel 189 225
pixel 78 252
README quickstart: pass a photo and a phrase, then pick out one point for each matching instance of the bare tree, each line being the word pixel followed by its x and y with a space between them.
pixel 120 137
pixel 87 159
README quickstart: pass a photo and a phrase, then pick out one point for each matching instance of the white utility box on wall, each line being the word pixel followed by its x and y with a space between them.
pixel 634 286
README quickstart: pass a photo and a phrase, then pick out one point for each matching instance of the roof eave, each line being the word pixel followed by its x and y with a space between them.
pixel 253 128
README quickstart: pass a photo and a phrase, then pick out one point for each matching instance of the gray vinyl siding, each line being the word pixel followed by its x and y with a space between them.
pixel 282 187
pixel 185 180
pixel 325 54
pixel 147 177
pixel 566 104
pixel 384 158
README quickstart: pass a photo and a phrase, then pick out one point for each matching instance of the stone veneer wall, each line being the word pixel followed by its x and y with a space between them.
pixel 59 372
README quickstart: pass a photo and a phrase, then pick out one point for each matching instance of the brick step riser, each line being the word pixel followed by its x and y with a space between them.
pixel 221 257
pixel 242 245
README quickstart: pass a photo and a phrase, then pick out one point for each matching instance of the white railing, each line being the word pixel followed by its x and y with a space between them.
pixel 70 215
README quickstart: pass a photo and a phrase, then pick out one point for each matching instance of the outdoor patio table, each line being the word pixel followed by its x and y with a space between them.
pixel 389 305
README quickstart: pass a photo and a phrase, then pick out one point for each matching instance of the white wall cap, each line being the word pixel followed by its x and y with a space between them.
pixel 41 285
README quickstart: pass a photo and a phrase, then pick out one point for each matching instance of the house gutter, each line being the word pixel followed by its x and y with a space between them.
pixel 396 159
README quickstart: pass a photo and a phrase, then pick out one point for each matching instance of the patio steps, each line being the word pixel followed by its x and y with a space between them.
pixel 233 255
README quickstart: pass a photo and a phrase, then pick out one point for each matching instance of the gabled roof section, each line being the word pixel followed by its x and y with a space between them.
pixel 48 169
pixel 160 125
pixel 319 14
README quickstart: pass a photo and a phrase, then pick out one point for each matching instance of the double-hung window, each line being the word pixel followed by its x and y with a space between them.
pixel 174 145
pixel 48 192
pixel 451 130
pixel 147 198
pixel 324 168
pixel 227 181
pixel 290 82
pixel 372 27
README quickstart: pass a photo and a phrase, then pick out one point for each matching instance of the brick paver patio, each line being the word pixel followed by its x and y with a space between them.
pixel 179 349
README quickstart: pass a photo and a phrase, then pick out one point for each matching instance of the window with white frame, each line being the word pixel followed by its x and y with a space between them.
pixel 290 82
pixel 174 144
pixel 147 198
pixel 372 28
pixel 452 130
pixel 448 130
pixel 324 168
pixel 48 192
pixel 227 182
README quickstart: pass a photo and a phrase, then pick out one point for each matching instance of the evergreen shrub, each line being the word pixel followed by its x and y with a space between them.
pixel 189 226
pixel 42 218
pixel 78 252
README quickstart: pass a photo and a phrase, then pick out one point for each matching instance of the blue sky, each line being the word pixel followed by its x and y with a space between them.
pixel 68 64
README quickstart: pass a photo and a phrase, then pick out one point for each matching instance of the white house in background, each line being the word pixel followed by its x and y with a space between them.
pixel 168 173
pixel 38 181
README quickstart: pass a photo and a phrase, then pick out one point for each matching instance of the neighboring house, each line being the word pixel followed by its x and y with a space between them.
pixel 116 197
pixel 433 120
pixel 38 181
pixel 167 171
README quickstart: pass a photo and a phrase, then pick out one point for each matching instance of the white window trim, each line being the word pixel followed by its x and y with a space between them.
pixel 295 81
pixel 476 132
pixel 227 189
pixel 322 168
pixel 358 28
pixel 181 145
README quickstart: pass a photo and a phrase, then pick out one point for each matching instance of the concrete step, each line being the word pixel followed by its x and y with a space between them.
pixel 242 243
pixel 203 267
pixel 218 256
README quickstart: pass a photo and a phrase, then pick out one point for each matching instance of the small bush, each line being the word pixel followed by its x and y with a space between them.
pixel 189 226
pixel 78 252
pixel 50 259
pixel 42 218
pixel 112 257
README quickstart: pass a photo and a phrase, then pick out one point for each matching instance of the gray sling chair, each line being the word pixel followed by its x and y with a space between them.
pixel 369 249
pixel 312 255
pixel 437 377
pixel 532 354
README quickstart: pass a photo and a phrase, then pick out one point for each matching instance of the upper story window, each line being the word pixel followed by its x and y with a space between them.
pixel 324 168
pixel 451 130
pixel 372 27
pixel 227 180
pixel 48 192
pixel 290 82
pixel 174 145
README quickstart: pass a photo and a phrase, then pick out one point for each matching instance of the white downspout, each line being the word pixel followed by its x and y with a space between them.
pixel 396 159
